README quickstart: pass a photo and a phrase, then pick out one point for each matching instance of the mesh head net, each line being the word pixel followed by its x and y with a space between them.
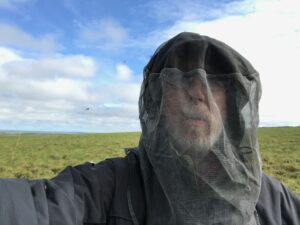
pixel 199 153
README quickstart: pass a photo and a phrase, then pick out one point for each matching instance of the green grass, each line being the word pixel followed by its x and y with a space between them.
pixel 43 156
pixel 280 150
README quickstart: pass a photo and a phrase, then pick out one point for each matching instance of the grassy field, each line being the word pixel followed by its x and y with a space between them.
pixel 43 156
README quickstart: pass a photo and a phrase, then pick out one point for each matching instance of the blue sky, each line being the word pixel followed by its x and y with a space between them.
pixel 75 65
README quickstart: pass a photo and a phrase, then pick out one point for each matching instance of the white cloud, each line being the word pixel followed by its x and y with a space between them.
pixel 53 107
pixel 69 66
pixel 61 89
pixel 49 78
pixel 45 90
pixel 7 55
pixel 60 93
pixel 105 34
pixel 123 72
pixel 13 36
pixel 117 93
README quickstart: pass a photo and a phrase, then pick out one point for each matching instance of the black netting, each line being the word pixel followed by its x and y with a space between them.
pixel 199 153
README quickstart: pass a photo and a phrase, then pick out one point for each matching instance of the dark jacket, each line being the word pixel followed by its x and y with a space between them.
pixel 111 192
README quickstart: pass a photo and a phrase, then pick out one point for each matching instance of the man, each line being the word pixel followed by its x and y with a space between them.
pixel 197 162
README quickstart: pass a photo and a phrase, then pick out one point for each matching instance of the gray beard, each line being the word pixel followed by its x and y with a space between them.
pixel 199 145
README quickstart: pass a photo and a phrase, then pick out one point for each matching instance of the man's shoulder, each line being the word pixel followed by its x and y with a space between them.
pixel 272 186
pixel 277 204
pixel 105 169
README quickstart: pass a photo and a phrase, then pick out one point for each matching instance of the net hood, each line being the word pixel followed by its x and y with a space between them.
pixel 199 152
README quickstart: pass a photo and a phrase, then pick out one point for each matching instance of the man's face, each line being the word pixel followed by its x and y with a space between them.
pixel 194 113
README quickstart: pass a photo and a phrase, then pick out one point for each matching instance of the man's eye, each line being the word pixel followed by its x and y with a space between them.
pixel 215 84
pixel 188 79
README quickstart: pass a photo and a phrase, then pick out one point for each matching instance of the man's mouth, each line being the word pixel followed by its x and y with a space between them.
pixel 196 120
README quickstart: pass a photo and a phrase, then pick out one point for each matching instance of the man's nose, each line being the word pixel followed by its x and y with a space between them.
pixel 198 90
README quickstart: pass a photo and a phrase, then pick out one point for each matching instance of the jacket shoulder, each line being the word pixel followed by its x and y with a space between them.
pixel 277 204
